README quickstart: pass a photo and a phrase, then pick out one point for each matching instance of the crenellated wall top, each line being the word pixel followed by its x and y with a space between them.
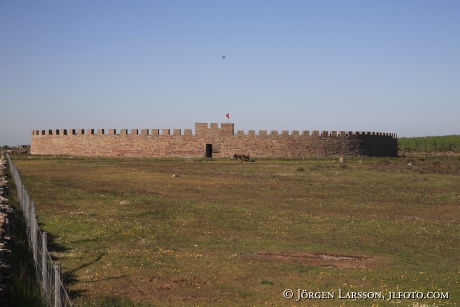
pixel 205 129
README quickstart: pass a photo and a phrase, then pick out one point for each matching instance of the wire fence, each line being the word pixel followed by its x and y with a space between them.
pixel 47 272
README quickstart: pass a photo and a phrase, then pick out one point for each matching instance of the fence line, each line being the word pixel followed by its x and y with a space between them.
pixel 47 272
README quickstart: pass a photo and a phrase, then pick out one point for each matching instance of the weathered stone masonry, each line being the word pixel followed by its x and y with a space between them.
pixel 211 140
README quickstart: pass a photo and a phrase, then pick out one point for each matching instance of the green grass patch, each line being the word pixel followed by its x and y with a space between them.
pixel 127 232
pixel 430 143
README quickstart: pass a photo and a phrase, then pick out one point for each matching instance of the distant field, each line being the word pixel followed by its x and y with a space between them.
pixel 227 233
pixel 430 143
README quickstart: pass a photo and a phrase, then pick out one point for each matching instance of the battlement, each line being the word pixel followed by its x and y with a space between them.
pixel 211 140
pixel 213 129
pixel 141 132
pixel 313 133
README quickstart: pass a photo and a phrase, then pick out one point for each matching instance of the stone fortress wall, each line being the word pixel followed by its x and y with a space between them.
pixel 211 140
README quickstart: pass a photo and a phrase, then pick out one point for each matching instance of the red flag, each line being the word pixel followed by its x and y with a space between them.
pixel 227 115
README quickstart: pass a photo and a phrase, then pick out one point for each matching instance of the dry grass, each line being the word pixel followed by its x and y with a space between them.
pixel 126 228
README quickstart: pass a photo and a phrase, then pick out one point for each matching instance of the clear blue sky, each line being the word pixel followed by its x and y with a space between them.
pixel 390 66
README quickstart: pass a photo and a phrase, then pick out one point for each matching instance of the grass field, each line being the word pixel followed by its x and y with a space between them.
pixel 430 143
pixel 226 233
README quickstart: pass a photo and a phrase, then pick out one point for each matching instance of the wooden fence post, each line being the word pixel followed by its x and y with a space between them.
pixel 44 262
pixel 33 234
pixel 57 286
